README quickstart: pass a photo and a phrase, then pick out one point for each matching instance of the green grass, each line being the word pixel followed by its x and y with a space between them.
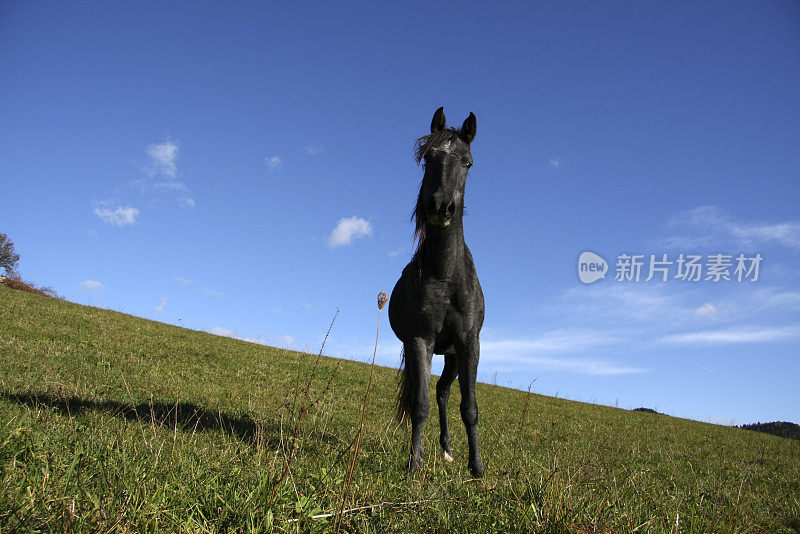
pixel 111 422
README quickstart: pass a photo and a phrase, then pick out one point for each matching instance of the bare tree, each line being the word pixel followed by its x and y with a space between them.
pixel 8 258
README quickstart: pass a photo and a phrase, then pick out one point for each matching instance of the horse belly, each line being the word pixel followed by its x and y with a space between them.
pixel 443 344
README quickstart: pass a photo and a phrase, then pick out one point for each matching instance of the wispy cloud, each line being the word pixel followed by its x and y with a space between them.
pixel 313 148
pixel 645 317
pixel 554 163
pixel 171 186
pixel 737 335
pixel 201 289
pixel 119 216
pixel 162 302
pixel 348 229
pixel 163 158
pixel 583 366
pixel 90 285
pixel 621 304
pixel 710 225
pixel 210 292
pixel 564 340
pixel 538 352
pixel 274 163
pixel 704 368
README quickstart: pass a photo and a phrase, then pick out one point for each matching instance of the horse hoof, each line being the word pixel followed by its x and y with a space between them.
pixel 413 466
pixel 446 457
pixel 476 470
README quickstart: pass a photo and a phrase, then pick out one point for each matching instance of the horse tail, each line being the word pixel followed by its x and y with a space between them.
pixel 405 390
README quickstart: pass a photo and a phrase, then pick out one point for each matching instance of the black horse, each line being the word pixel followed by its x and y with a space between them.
pixel 437 305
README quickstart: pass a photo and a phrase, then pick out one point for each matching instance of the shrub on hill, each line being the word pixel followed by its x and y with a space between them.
pixel 646 410
pixel 15 282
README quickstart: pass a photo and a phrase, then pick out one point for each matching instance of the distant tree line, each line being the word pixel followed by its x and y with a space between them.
pixel 781 429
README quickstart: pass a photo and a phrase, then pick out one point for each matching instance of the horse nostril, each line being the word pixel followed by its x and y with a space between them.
pixel 451 209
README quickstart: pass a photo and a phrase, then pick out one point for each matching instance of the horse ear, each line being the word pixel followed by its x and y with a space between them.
pixel 438 122
pixel 469 128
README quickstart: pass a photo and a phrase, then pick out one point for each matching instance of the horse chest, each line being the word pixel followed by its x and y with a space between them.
pixel 441 309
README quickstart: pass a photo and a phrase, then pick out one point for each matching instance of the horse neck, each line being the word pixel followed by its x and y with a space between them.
pixel 442 251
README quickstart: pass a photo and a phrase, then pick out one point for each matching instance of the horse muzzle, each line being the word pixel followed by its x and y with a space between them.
pixel 437 221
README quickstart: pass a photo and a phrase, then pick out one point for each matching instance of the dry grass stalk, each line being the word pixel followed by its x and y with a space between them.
pixel 382 300
pixel 367 507
pixel 304 409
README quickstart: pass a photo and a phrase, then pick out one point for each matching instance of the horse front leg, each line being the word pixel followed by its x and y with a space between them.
pixel 442 395
pixel 468 357
pixel 418 363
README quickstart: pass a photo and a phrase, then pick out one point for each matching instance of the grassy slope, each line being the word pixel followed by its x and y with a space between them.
pixel 112 421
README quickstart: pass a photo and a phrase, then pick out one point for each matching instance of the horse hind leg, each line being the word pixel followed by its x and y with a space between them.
pixel 442 395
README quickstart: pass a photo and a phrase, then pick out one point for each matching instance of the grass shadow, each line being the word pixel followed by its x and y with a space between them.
pixel 187 416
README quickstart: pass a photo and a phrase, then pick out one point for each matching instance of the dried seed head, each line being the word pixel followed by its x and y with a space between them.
pixel 383 298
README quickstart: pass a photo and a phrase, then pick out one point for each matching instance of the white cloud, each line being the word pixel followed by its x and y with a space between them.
pixel 274 163
pixel 706 309
pixel 184 281
pixel 224 332
pixel 281 341
pixel 161 303
pixel 735 335
pixel 163 170
pixel 554 163
pixel 347 229
pixel 162 158
pixel 90 285
pixel 284 341
pixel 118 217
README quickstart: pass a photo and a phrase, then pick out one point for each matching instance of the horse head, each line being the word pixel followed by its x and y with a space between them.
pixel 447 159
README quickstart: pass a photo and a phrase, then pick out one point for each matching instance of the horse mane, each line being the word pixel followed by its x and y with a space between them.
pixel 421 148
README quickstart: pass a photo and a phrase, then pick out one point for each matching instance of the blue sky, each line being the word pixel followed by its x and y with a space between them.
pixel 246 169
